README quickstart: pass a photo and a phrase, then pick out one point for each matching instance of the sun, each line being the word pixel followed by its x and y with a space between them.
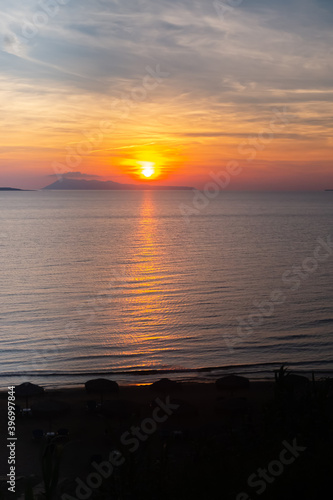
pixel 147 168
pixel 148 172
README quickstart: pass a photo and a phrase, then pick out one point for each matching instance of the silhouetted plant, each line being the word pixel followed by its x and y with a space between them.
pixel 50 468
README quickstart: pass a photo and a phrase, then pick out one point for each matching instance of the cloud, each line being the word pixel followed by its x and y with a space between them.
pixel 225 74
pixel 268 46
pixel 248 134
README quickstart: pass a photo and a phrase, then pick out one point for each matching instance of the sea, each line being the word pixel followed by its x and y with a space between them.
pixel 139 285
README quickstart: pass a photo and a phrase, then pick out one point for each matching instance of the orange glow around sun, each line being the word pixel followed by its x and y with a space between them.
pixel 148 163
pixel 147 168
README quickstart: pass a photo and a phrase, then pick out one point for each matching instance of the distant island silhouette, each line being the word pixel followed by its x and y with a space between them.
pixel 10 189
pixel 107 185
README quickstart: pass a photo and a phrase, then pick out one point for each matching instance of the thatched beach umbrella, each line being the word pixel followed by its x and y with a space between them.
pixel 165 385
pixel 102 386
pixel 28 390
pixel 233 383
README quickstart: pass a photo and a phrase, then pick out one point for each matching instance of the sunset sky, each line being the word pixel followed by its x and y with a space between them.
pixel 167 91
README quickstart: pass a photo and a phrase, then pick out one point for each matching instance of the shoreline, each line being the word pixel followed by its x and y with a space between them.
pixel 139 378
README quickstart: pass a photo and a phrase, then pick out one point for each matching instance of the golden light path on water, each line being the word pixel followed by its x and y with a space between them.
pixel 147 295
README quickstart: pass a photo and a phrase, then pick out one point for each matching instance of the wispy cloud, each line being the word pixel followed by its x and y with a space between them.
pixel 225 76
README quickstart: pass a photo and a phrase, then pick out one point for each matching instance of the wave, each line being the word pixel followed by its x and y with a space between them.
pixel 249 368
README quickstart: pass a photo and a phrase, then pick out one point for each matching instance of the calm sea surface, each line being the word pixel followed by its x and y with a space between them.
pixel 99 282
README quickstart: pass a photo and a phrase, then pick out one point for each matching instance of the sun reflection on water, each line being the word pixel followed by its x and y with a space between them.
pixel 145 295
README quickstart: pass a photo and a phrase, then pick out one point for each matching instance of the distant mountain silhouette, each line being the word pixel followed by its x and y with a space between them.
pixel 106 185
pixel 10 189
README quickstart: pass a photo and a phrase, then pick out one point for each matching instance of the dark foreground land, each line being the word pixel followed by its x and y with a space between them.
pixel 273 440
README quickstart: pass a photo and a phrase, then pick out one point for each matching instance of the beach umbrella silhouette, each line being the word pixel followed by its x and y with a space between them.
pixel 102 386
pixel 233 383
pixel 165 385
pixel 28 390
pixel 50 409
